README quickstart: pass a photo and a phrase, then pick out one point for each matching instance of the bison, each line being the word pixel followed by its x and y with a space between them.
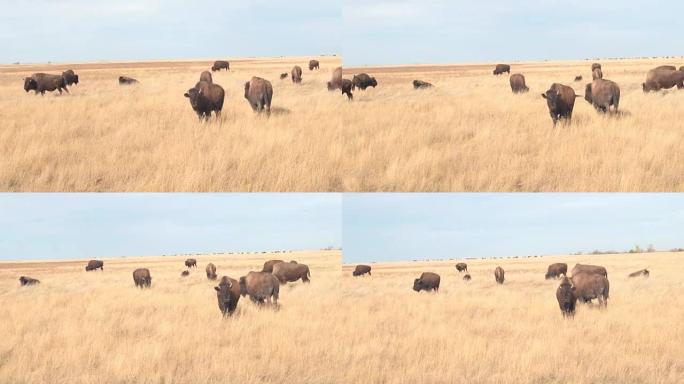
pixel 70 77
pixel 219 65
pixel 501 68
pixel 206 98
pixel 228 295
pixel 663 78
pixel 296 74
pixel 347 88
pixel 462 267
pixel 185 273
pixel 363 81
pixel 428 281
pixel 259 93
pixel 260 286
pixel 556 270
pixel 25 280
pixel 211 271
pixel 283 76
pixel 589 269
pixel 336 80
pixel 518 83
pixel 42 82
pixel 142 278
pixel 361 270
pixel 290 272
pixel 466 277
pixel 191 263
pixel 589 286
pixel 596 74
pixel 206 76
pixel 268 266
pixel 420 84
pixel 94 264
pixel 561 101
pixel 643 272
pixel 124 80
pixel 566 298
pixel 603 94
pixel 578 78
pixel 314 64
pixel 499 275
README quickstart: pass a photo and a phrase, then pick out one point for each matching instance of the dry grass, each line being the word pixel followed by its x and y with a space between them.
pixel 470 133
pixel 96 327
pixel 104 137
pixel 479 332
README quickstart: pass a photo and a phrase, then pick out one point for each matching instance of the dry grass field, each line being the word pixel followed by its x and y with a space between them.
pixel 478 332
pixel 96 327
pixel 470 133
pixel 105 137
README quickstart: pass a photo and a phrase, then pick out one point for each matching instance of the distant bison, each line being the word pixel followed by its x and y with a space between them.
pixel 428 281
pixel 566 297
pixel 314 64
pixel 191 263
pixel 518 83
pixel 420 84
pixel 578 78
pixel 561 101
pixel 466 277
pixel 499 275
pixel 663 78
pixel 462 267
pixel 228 295
pixel 296 74
pixel 268 266
pixel 211 271
pixel 42 82
pixel 347 88
pixel 589 286
pixel 219 65
pixel 206 76
pixel 70 77
pixel 603 94
pixel 363 81
pixel 206 98
pixel 25 280
pixel 123 80
pixel 556 270
pixel 260 286
pixel 643 272
pixel 336 80
pixel 361 270
pixel 589 269
pixel 289 272
pixel 94 264
pixel 142 278
pixel 259 93
pixel 502 68
pixel 283 76
pixel 185 273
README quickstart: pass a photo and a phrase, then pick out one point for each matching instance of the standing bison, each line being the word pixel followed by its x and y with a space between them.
pixel 561 101
pixel 566 298
pixel 314 64
pixel 336 80
pixel 206 98
pixel 283 76
pixel 290 272
pixel 260 286
pixel 556 270
pixel 643 272
pixel 501 68
pixel 70 77
pixel 211 271
pixel 124 80
pixel 428 281
pixel 420 84
pixel 259 93
pixel 363 81
pixel 219 65
pixel 589 269
pixel 361 270
pixel 589 286
pixel 142 278
pixel 664 77
pixel 347 87
pixel 228 295
pixel 296 74
pixel 268 266
pixel 462 267
pixel 185 273
pixel 518 83
pixel 603 94
pixel 578 78
pixel 94 264
pixel 191 263
pixel 42 82
pixel 466 277
pixel 499 275
pixel 206 76
pixel 25 280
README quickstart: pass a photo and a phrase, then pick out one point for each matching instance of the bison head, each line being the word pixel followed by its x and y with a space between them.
pixel 194 95
pixel 418 285
pixel 75 79
pixel 552 97
pixel 223 293
pixel 373 82
pixel 30 84
pixel 587 94
pixel 646 87
pixel 247 90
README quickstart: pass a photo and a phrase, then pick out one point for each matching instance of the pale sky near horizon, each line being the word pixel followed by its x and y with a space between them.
pixel 71 226
pixel 403 227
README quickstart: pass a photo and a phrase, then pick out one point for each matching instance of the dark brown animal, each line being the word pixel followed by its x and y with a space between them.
pixel 260 286
pixel 420 84
pixel 228 295
pixel 336 81
pixel 361 270
pixel 428 281
pixel 206 76
pixel 289 272
pixel 314 64
pixel 219 65
pixel 589 269
pixel 502 68
pixel 561 101
pixel 466 277
pixel 603 94
pixel 123 80
pixel 663 78
pixel 347 88
pixel 499 275
pixel 596 74
pixel 556 270
pixel 206 98
pixel 363 81
pixel 595 66
pixel 518 83
pixel 681 68
pixel 259 93
pixel 643 272
pixel 211 271
pixel 142 278
pixel 666 67
pixel 296 74
pixel 191 263
pixel 42 82
pixel 283 76
pixel 566 298
pixel 94 264
pixel 578 78
pixel 268 266
pixel 185 273
pixel 589 286
pixel 25 280
pixel 70 77
pixel 462 267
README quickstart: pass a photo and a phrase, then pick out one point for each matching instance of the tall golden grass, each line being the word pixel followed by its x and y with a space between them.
pixel 96 327
pixel 480 332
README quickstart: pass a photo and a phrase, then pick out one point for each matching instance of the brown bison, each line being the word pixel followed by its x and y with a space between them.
pixel 561 101
pixel 314 64
pixel 283 76
pixel 597 74
pixel 219 65
pixel 211 271
pixel 42 82
pixel 94 264
pixel 25 280
pixel 191 263
pixel 566 298
pixel 603 94
pixel 361 270
pixel 501 68
pixel 466 277
pixel 290 272
pixel 643 272
pixel 589 269
pixel 259 93
pixel 420 84
pixel 428 281
pixel 518 83
pixel 663 78
pixel 499 275
pixel 462 267
pixel 336 81
pixel 296 74
pixel 185 273
pixel 578 78
pixel 589 286
pixel 124 80
pixel 260 286
pixel 206 76
pixel 363 81
pixel 70 77
pixel 142 278
pixel 268 266
pixel 228 295
pixel 206 98
pixel 556 270
pixel 347 87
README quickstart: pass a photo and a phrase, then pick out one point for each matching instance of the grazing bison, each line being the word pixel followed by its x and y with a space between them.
pixel 566 298
pixel 206 98
pixel 556 270
pixel 589 286
pixel 361 270
pixel 206 76
pixel 191 263
pixel 420 84
pixel 560 100
pixel 466 277
pixel 363 81
pixel 643 272
pixel 428 281
pixel 25 280
pixel 663 78
pixel 518 83
pixel 219 65
pixel 289 272
pixel 41 82
pixel 499 275
pixel 260 286
pixel 142 278
pixel 502 68
pixel 268 266
pixel 603 94
pixel 596 74
pixel 228 295
pixel 462 267
pixel 123 80
pixel 283 76
pixel 578 78
pixel 211 271
pixel 314 64
pixel 94 264
pixel 336 80
pixel 579 268
pixel 296 74
pixel 347 88
pixel 185 273
pixel 70 77
pixel 259 93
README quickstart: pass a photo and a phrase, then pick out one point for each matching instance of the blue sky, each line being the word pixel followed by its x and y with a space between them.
pixel 94 30
pixel 447 31
pixel 394 227
pixel 55 226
